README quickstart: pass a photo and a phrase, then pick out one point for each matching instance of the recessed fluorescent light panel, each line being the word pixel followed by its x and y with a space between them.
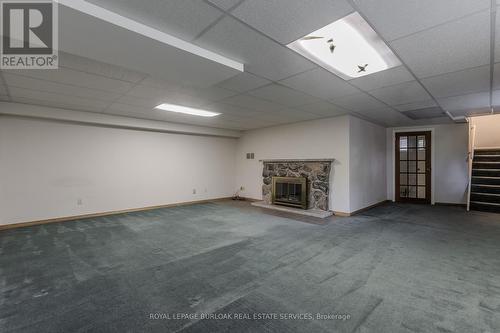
pixel 186 110
pixel 348 47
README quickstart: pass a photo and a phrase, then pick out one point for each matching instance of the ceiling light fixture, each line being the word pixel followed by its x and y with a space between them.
pixel 186 110
pixel 348 47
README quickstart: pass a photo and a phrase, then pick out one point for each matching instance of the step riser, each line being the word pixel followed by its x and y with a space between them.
pixel 479 165
pixel 486 173
pixel 486 152
pixel 484 189
pixel 485 198
pixel 479 158
pixel 485 181
pixel 485 208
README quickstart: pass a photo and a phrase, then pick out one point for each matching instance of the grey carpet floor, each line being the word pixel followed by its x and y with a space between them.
pixel 395 268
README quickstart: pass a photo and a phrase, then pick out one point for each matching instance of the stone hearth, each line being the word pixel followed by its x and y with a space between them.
pixel 317 173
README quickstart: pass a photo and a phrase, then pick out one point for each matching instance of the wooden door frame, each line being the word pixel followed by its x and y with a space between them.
pixel 429 133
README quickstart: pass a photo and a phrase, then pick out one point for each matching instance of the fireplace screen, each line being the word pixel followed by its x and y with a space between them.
pixel 290 191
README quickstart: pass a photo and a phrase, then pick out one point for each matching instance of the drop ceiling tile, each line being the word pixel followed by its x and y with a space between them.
pixel 323 109
pixel 253 103
pixel 225 4
pixel 283 95
pixel 232 110
pixel 21 95
pixel 383 79
pixel 141 102
pixel 432 121
pixel 395 18
pixel 261 124
pixel 432 112
pixel 468 81
pixel 320 83
pixel 154 82
pixel 77 78
pixel 99 68
pixel 358 102
pixel 464 103
pixel 473 112
pixel 58 88
pixel 183 19
pixel 286 21
pixel 126 110
pixel 192 96
pixel 260 55
pixel 402 93
pixel 209 94
pixel 387 117
pixel 243 82
pixel 151 97
pixel 450 47
pixel 148 92
pixel 231 117
pixel 287 116
pixel 416 105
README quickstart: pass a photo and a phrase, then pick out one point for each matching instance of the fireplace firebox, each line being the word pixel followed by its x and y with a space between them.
pixel 290 191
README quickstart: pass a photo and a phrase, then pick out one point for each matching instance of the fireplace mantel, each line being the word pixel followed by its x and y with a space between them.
pixel 285 160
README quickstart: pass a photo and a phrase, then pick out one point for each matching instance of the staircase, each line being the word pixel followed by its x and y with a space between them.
pixel 485 181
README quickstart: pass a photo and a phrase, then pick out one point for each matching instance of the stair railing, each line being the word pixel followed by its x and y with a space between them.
pixel 470 159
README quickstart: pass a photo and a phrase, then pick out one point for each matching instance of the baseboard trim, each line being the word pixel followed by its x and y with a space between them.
pixel 344 214
pixel 247 199
pixel 114 212
pixel 341 214
pixel 450 204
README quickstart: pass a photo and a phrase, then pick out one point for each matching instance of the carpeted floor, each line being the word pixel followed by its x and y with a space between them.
pixel 395 268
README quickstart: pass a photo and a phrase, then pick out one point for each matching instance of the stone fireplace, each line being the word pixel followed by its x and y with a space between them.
pixel 316 174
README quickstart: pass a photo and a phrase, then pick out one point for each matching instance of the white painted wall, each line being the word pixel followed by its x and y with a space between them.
pixel 323 138
pixel 46 166
pixel 449 164
pixel 487 131
pixel 367 165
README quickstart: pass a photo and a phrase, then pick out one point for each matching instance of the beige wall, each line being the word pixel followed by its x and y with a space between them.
pixel 487 131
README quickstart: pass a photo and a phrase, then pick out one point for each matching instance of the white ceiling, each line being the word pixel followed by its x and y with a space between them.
pixel 445 47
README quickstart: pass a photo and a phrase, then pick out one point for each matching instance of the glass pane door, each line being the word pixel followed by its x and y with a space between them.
pixel 413 173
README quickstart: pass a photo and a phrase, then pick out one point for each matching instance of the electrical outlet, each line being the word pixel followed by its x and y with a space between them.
pixel 242 188
pixel 79 202
pixel 206 190
pixel 194 191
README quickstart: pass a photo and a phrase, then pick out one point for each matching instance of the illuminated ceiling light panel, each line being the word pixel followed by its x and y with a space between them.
pixel 186 110
pixel 348 47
